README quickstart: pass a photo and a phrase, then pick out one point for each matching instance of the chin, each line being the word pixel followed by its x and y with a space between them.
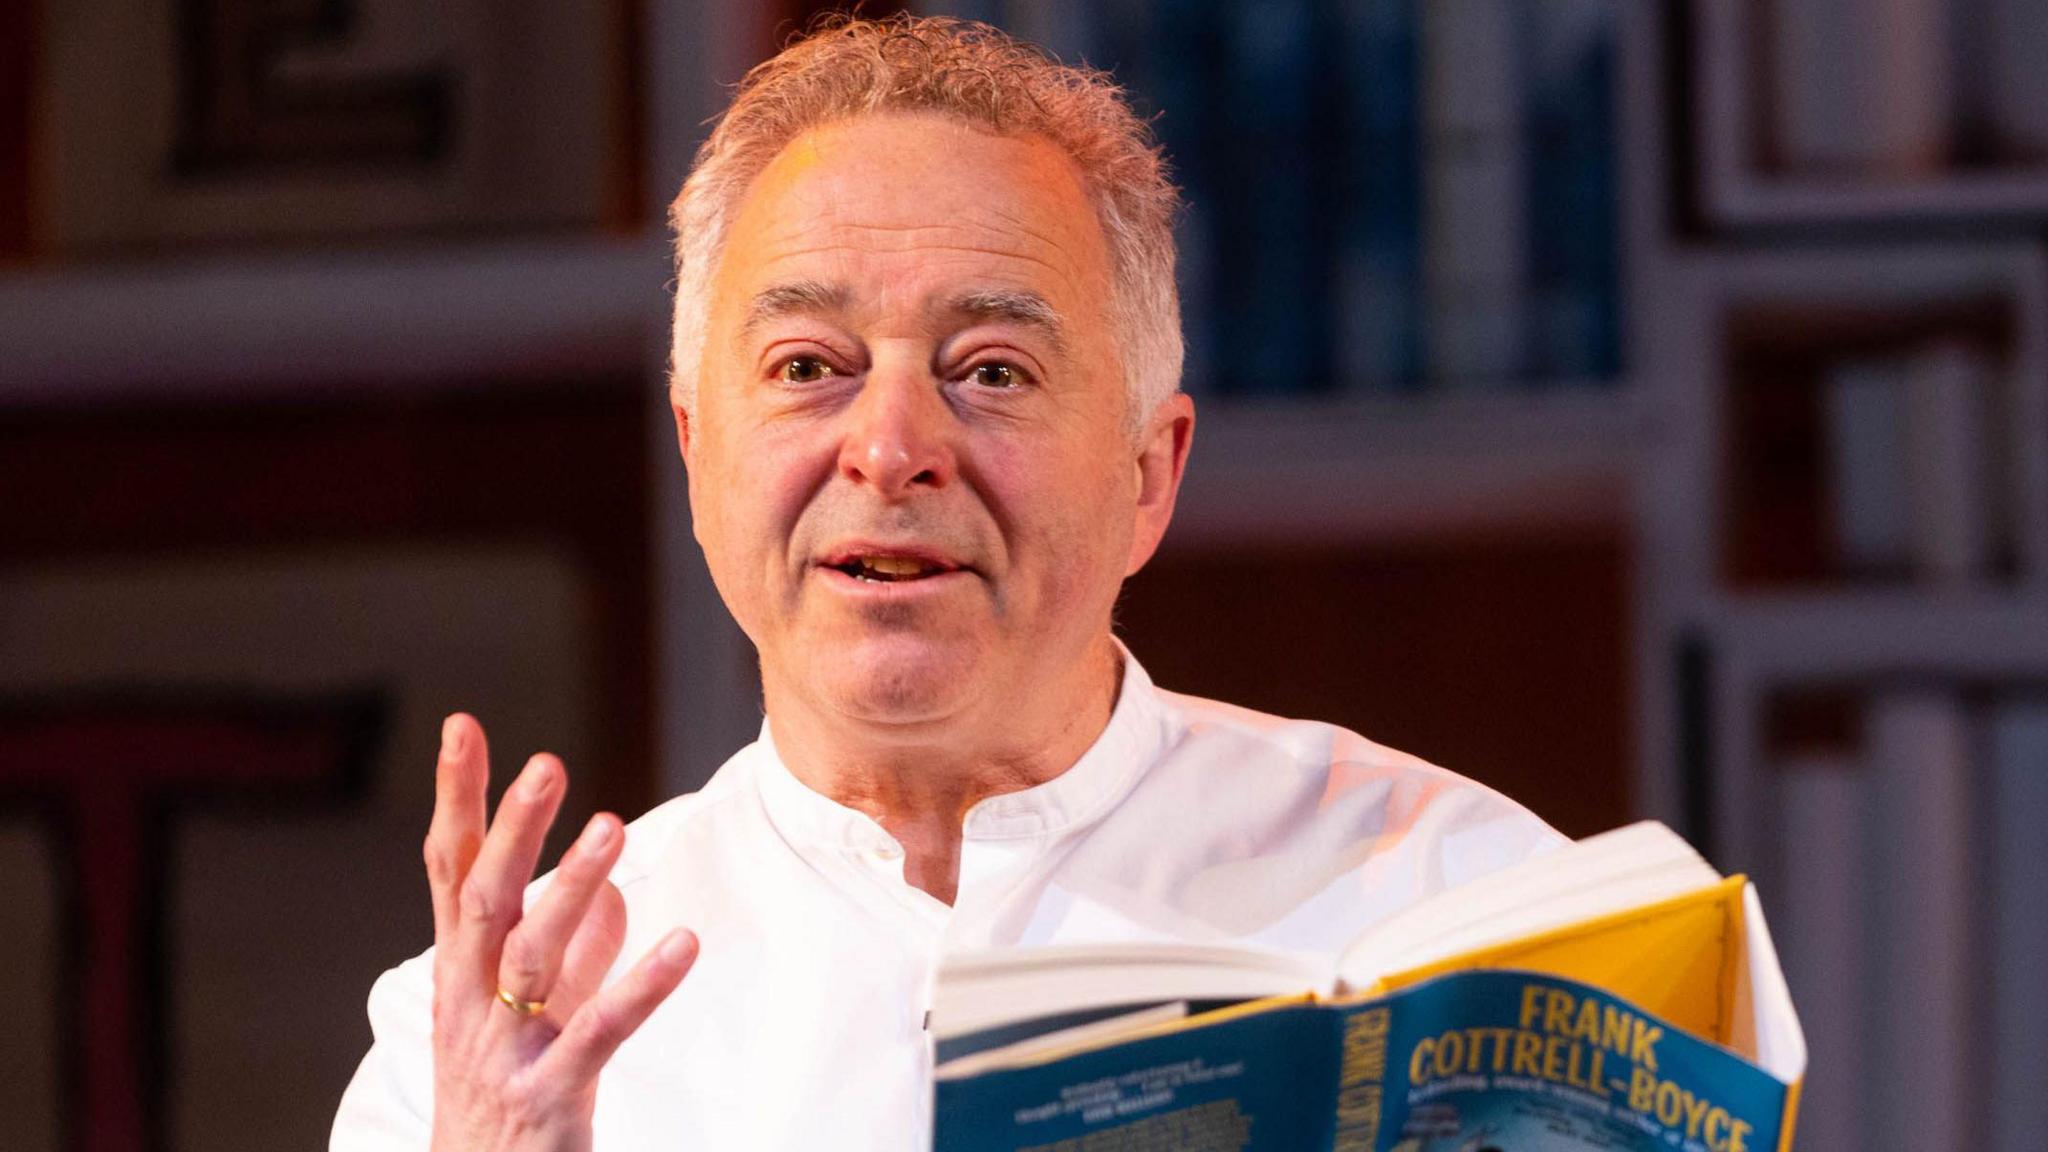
pixel 901 679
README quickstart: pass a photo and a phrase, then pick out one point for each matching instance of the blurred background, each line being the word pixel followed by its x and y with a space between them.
pixel 1637 406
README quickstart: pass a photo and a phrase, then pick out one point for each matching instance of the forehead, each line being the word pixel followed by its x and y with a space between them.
pixel 920 203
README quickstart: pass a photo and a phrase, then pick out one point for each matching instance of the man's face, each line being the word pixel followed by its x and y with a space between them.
pixel 909 467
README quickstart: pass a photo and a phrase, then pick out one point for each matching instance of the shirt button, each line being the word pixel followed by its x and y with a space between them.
pixel 889 852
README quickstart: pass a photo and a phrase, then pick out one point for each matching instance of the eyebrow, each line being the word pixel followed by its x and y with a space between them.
pixel 1013 306
pixel 816 297
pixel 798 297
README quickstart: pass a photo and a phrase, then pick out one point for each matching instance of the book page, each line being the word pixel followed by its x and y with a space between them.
pixel 1640 864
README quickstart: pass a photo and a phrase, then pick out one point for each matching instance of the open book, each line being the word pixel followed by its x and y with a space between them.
pixel 1603 996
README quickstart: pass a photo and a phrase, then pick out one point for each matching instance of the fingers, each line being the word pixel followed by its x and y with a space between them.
pixel 592 949
pixel 603 1023
pixel 490 898
pixel 457 830
pixel 531 959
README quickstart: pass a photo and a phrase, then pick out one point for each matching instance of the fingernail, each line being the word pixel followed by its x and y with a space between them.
pixel 596 834
pixel 534 779
pixel 451 736
pixel 675 946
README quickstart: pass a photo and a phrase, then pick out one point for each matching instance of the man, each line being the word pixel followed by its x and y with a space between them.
pixel 926 362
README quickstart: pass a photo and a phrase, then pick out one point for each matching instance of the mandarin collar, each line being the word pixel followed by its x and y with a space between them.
pixel 1139 727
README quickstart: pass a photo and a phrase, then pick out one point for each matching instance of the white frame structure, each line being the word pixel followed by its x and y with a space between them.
pixel 1734 193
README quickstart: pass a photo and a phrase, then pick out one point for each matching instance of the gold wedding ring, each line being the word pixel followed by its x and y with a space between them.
pixel 523 1007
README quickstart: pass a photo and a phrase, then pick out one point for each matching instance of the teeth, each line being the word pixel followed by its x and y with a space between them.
pixel 887 568
pixel 891 565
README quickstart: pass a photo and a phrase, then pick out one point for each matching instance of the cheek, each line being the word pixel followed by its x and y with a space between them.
pixel 762 487
pixel 1072 518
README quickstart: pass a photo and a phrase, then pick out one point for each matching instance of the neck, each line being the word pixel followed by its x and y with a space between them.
pixel 918 780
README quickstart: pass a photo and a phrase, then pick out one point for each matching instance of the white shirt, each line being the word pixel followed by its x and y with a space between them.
pixel 801 1025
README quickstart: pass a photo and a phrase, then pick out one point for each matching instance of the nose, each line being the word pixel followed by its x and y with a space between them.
pixel 899 434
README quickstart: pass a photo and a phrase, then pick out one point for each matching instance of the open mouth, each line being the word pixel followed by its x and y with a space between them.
pixel 889 569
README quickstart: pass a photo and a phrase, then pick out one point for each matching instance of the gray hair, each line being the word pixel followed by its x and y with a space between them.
pixel 849 67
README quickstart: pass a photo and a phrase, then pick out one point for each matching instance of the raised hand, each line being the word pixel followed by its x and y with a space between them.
pixel 522 1023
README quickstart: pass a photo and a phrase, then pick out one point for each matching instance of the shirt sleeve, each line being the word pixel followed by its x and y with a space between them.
pixel 390 1102
pixel 1490 834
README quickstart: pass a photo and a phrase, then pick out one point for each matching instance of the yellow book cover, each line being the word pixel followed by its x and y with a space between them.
pixel 1680 959
pixel 1617 995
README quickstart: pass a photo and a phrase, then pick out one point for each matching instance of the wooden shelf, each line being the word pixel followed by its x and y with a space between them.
pixel 259 323
pixel 1851 634
pixel 1559 456
pixel 2019 197
pixel 1764 650
pixel 1856 299
pixel 1735 190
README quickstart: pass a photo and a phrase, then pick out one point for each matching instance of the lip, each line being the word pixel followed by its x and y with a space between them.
pixel 936 584
pixel 949 569
pixel 930 557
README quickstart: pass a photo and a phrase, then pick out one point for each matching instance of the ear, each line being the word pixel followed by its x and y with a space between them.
pixel 682 417
pixel 1162 458
pixel 682 428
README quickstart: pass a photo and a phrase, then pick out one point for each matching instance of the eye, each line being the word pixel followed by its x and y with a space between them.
pixel 805 370
pixel 995 375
